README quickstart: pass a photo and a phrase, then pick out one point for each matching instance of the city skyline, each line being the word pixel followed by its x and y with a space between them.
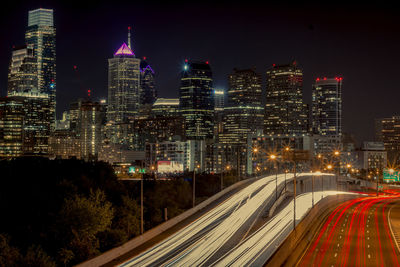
pixel 319 50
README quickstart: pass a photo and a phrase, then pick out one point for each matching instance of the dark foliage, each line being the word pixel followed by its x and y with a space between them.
pixel 50 208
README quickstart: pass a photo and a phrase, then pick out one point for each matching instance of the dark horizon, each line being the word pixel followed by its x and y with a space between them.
pixel 358 43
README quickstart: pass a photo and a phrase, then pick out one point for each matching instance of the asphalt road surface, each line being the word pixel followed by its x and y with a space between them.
pixel 356 233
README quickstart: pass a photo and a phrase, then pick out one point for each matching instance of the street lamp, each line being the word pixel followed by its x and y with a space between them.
pixel 336 153
pixel 222 176
pixel 194 185
pixel 274 159
pixel 322 179
pixel 141 202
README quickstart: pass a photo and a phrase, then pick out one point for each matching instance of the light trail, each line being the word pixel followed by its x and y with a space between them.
pixel 198 242
pixel 359 245
pixel 256 249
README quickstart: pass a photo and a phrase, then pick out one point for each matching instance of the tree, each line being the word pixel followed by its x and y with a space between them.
pixel 9 256
pixel 81 219
pixel 37 257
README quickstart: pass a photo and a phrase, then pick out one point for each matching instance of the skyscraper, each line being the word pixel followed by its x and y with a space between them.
pixel 24 125
pixel 123 89
pixel 196 100
pixel 22 74
pixel 244 113
pixel 219 100
pixel 147 84
pixel 327 106
pixel 387 130
pixel 90 129
pixel 285 112
pixel 36 124
pixel 41 36
pixel 11 126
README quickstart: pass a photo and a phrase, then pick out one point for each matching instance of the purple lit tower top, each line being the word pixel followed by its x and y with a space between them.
pixel 124 50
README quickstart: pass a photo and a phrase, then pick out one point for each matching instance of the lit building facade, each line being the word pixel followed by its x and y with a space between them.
pixel 147 84
pixel 22 74
pixel 327 106
pixel 387 130
pixel 372 156
pixel 25 125
pixel 152 130
pixel 37 123
pixel 41 36
pixel 244 113
pixel 285 112
pixel 219 100
pixel 166 107
pixel 90 129
pixel 11 126
pixel 197 100
pixel 123 89
pixel 64 144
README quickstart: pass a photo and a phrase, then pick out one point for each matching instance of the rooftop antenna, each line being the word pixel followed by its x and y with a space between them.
pixel 129 37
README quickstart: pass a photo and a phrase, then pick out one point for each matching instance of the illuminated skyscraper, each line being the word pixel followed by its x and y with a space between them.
pixel 387 130
pixel 147 84
pixel 285 112
pixel 123 85
pixel 36 123
pixel 123 89
pixel 22 74
pixel 244 113
pixel 25 124
pixel 11 126
pixel 90 129
pixel 41 35
pixel 327 106
pixel 219 100
pixel 197 100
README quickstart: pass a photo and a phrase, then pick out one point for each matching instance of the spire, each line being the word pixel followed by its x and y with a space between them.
pixel 129 37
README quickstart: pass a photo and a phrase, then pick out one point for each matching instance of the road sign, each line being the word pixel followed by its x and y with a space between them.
pixel 296 155
pixel 391 175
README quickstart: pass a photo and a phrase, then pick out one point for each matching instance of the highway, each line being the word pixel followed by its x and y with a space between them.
pixel 356 233
pixel 204 241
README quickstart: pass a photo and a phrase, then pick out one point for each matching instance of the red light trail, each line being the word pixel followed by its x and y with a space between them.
pixel 356 233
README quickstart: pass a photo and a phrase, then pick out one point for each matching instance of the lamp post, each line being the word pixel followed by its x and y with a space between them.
pixel 274 159
pixel 294 196
pixel 348 166
pixel 194 185
pixel 222 178
pixel 312 189
pixel 141 202
pixel 336 153
pixel 285 179
pixel 329 167
pixel 319 176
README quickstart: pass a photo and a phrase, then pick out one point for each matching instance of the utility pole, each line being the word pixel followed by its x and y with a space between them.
pixel 194 186
pixel 312 185
pixel 322 179
pixel 238 163
pixel 141 202
pixel 294 200
pixel 222 178
pixel 276 180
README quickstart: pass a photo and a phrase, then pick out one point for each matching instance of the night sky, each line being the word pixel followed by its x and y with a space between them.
pixel 357 42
